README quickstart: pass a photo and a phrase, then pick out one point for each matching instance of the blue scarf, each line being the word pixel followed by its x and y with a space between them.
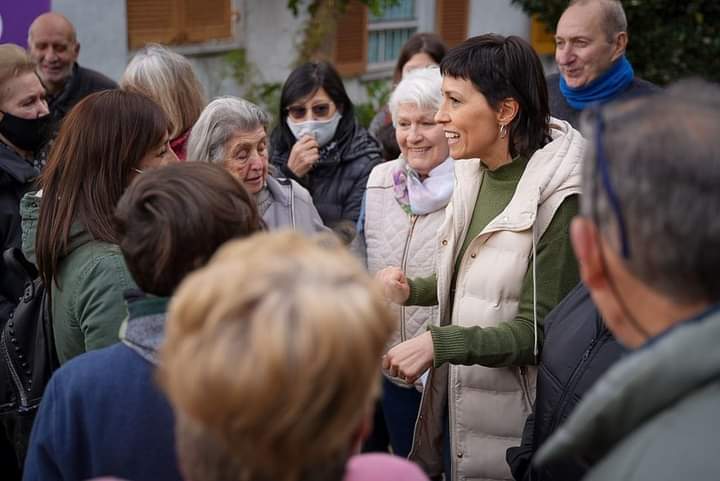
pixel 602 89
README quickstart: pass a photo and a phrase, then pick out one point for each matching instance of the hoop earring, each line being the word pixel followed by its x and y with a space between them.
pixel 503 131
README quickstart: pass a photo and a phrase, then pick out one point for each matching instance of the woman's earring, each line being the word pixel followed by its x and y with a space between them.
pixel 503 131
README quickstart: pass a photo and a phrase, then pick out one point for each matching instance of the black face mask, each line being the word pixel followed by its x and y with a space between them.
pixel 27 134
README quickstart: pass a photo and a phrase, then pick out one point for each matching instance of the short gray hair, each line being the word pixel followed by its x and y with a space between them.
pixel 218 122
pixel 614 20
pixel 662 154
pixel 421 87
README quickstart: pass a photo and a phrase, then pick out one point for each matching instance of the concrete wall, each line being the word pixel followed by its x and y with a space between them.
pixel 497 16
pixel 265 28
pixel 102 30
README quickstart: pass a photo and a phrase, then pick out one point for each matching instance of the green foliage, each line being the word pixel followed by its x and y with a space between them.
pixel 255 88
pixel 668 39
pixel 375 6
pixel 318 32
pixel 378 93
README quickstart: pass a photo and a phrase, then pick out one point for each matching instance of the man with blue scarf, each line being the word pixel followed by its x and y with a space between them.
pixel 591 38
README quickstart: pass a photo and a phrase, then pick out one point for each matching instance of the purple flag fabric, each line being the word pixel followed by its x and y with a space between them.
pixel 16 17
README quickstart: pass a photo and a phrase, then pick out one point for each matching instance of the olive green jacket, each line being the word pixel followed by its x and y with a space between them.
pixel 87 295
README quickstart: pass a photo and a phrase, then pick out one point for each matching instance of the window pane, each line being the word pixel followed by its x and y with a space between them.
pixel 403 10
pixel 385 45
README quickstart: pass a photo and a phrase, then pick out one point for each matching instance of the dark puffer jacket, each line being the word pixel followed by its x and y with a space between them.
pixel 337 182
pixel 578 349
pixel 16 178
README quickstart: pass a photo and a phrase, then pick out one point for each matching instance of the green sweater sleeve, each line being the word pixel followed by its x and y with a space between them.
pixel 423 291
pixel 512 342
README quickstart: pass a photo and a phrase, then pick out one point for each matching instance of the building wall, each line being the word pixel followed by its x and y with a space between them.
pixel 102 31
pixel 265 28
pixel 497 16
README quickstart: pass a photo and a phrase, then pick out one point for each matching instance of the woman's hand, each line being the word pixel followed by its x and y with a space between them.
pixel 395 284
pixel 410 359
pixel 303 156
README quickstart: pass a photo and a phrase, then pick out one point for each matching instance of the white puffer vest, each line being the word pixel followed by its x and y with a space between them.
pixel 488 406
pixel 393 238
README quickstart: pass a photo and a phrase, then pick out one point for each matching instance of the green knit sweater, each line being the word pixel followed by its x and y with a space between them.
pixel 512 342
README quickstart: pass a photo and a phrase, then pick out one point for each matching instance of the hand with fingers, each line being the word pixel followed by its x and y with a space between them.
pixel 304 155
pixel 408 360
pixel 395 285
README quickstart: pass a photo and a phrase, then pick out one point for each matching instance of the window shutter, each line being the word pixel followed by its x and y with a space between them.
pixel 207 20
pixel 351 40
pixel 452 18
pixel 152 21
pixel 542 37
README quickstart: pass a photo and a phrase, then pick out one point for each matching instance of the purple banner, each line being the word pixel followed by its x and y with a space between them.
pixel 16 17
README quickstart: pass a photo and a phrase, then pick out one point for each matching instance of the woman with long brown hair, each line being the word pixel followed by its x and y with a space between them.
pixel 105 141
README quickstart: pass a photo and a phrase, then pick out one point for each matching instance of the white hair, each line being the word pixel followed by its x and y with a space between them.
pixel 421 87
pixel 217 123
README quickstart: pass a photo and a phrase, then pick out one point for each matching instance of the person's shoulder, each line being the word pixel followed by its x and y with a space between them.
pixel 97 369
pixel 382 467
pixel 364 145
pixel 641 86
pixel 381 174
pixel 92 80
pixel 677 443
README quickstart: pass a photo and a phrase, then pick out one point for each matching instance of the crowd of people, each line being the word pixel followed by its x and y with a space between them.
pixel 506 276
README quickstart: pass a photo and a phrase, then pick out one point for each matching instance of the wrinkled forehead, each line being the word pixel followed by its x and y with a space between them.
pixel 56 31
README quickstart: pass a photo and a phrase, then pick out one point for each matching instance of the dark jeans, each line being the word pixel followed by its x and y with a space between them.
pixel 400 406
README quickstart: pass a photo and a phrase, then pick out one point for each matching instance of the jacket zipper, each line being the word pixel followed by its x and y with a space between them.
pixel 13 373
pixel 595 342
pixel 403 266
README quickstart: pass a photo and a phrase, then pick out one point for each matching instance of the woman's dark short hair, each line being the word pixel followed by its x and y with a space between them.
pixel 171 220
pixel 506 67
pixel 303 82
pixel 421 42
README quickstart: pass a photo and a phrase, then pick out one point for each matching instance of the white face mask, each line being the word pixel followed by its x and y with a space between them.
pixel 322 130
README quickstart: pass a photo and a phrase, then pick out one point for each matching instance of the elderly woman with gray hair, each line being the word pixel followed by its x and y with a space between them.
pixel 405 205
pixel 233 132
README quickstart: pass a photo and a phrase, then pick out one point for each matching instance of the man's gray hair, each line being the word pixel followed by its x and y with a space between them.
pixel 614 20
pixel 218 122
pixel 421 87
pixel 662 158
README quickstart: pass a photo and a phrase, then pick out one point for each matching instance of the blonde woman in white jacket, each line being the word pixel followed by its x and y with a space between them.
pixel 504 261
pixel 404 208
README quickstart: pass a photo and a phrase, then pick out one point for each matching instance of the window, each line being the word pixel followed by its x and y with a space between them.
pixel 368 44
pixel 177 21
pixel 388 32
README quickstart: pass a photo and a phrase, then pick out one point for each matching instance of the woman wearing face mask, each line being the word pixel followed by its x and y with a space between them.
pixel 319 143
pixel 23 118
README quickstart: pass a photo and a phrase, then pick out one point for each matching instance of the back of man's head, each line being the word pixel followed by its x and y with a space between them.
pixel 654 181
pixel 171 220
pixel 271 360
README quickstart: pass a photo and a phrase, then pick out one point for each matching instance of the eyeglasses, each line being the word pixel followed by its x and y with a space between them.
pixel 603 168
pixel 298 112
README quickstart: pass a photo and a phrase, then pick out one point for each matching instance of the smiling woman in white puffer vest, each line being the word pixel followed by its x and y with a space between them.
pixel 405 205
pixel 505 259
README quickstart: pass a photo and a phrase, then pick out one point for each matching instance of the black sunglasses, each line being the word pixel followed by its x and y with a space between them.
pixel 298 112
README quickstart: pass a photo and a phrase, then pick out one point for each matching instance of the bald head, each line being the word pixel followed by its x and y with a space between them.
pixel 612 15
pixel 54 47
